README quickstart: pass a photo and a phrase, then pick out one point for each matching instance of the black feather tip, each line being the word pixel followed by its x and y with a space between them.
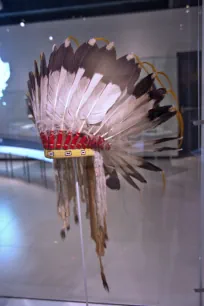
pixel 76 219
pixel 165 139
pixel 113 181
pixel 63 234
pixel 105 284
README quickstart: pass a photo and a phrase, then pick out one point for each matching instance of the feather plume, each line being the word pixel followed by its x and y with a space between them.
pixel 89 98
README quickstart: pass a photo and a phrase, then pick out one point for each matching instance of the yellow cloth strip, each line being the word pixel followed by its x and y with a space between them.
pixel 96 38
pixel 103 39
pixel 74 39
pixel 57 154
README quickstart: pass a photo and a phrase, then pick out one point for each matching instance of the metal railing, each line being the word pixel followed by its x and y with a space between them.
pixel 27 169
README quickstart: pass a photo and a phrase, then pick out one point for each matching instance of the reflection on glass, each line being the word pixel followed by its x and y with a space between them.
pixel 4 76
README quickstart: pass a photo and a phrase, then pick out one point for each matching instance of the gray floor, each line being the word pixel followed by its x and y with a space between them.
pixel 152 255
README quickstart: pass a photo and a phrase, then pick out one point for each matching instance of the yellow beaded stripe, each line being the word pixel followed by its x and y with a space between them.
pixel 55 154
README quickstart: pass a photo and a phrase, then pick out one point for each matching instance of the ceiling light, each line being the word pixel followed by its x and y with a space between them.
pixel 4 103
pixel 50 38
pixel 22 24
pixel 187 9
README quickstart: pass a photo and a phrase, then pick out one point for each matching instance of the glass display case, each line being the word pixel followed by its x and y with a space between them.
pixel 155 250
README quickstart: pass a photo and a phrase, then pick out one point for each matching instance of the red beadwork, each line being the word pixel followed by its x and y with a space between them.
pixel 93 143
pixel 74 141
pixel 59 140
pixel 100 142
pixel 44 140
pixel 51 140
pixel 84 142
pixel 79 143
pixel 55 141
pixel 67 141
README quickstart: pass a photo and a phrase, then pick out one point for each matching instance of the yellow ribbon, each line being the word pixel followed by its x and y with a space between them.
pixel 74 39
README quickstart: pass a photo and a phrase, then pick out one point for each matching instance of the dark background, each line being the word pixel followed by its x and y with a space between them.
pixel 189 95
pixel 14 11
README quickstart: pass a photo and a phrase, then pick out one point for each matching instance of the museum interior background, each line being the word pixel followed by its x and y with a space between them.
pixel 155 249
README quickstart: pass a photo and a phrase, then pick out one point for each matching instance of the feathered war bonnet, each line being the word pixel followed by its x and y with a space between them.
pixel 88 103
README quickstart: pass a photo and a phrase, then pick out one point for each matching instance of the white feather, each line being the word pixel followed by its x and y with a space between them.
pixel 68 105
pixel 43 97
pixel 92 85
pixel 66 85
pixel 104 103
pixel 37 100
pixel 111 111
pixel 125 109
pixel 94 111
pixel 134 119
pixel 52 92
pixel 87 107
pixel 134 130
pixel 83 85
pixel 33 103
